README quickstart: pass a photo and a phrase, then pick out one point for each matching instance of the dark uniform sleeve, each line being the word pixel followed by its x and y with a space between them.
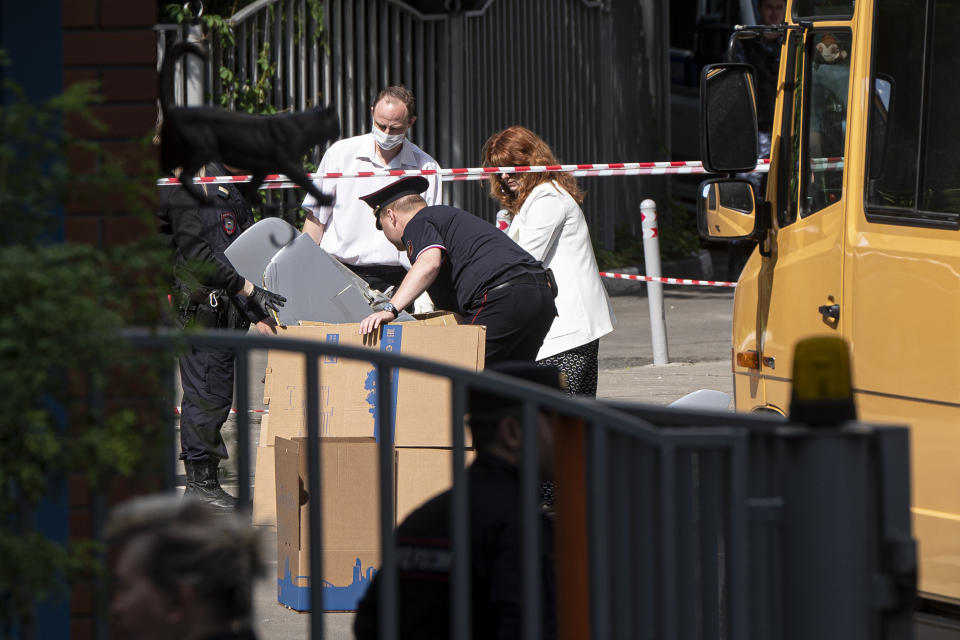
pixel 200 261
pixel 421 234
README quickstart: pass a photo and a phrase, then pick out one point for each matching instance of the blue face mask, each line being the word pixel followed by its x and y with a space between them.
pixel 387 141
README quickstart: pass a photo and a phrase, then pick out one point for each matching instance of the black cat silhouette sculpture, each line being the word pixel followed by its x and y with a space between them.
pixel 190 137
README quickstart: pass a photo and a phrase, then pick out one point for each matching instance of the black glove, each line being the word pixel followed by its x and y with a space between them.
pixel 266 300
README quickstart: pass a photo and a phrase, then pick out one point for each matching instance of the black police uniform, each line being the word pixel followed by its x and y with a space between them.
pixel 208 286
pixel 423 556
pixel 487 278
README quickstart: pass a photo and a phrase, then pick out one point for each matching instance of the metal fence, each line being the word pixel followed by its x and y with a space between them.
pixel 695 525
pixel 585 74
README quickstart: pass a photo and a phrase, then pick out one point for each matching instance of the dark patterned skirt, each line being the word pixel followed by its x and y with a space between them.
pixel 580 366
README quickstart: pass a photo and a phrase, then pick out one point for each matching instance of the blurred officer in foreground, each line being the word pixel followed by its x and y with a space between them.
pixel 182 571
pixel 467 266
pixel 423 539
pixel 211 295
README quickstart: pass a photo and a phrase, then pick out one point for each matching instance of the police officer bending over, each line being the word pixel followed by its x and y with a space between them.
pixel 468 266
pixel 495 517
pixel 212 295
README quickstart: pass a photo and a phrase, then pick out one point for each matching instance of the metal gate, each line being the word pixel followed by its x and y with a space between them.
pixel 589 76
pixel 694 525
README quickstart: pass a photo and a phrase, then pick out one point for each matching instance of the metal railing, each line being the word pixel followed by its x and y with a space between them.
pixel 567 69
pixel 697 525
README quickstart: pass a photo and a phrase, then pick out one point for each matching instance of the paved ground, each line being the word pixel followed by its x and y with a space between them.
pixel 698 334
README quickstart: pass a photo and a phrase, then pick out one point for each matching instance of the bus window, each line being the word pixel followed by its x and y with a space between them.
pixel 788 180
pixel 807 9
pixel 826 119
pixel 914 177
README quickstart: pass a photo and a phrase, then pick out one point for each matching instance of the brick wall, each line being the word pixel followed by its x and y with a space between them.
pixel 110 42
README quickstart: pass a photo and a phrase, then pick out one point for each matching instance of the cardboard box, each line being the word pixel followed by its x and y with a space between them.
pixel 265 488
pixel 421 475
pixel 350 517
pixel 420 402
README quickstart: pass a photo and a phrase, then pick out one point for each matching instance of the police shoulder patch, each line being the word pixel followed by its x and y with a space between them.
pixel 410 249
pixel 229 222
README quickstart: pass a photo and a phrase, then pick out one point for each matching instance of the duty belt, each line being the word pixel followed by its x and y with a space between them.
pixel 543 279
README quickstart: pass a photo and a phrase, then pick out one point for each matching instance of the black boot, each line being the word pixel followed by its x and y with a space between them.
pixel 204 485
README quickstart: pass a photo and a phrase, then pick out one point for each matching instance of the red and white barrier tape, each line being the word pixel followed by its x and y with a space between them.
pixel 684 281
pixel 278 181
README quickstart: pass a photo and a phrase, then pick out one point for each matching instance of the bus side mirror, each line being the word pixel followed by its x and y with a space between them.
pixel 727 209
pixel 728 118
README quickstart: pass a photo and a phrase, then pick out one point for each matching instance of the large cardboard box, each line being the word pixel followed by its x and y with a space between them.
pixel 265 487
pixel 420 403
pixel 421 475
pixel 350 516
pixel 350 513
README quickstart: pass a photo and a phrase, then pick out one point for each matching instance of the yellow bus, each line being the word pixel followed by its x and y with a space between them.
pixel 858 231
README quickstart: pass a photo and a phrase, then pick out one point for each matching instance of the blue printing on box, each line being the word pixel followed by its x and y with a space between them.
pixel 334 598
pixel 332 338
pixel 390 341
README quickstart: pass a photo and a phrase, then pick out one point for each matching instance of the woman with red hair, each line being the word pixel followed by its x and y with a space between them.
pixel 546 220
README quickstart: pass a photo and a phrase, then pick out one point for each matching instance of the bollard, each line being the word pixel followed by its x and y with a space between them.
pixel 503 219
pixel 651 261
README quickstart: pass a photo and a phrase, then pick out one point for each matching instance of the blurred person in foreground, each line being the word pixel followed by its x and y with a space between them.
pixel 182 570
pixel 545 219
pixel 495 522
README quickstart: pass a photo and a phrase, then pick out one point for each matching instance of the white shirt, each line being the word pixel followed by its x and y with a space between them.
pixel 551 227
pixel 350 232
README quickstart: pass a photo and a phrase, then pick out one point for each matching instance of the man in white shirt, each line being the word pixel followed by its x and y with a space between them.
pixel 346 230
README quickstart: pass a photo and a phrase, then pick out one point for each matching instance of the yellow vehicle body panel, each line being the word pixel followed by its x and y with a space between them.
pixel 898 289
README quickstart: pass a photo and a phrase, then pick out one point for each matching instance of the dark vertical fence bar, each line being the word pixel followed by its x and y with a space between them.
pixel 712 558
pixel 460 597
pixel 171 444
pixel 350 38
pixel 737 561
pixel 622 538
pixel 290 71
pixel 312 381
pixel 243 428
pixel 686 543
pixel 388 613
pixel 598 533
pixel 530 522
pixel 276 54
pixel 363 38
pixel 646 516
pixel 668 506
pixel 302 67
pixel 327 74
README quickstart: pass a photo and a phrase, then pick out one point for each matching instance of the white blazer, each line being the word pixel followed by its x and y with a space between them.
pixel 551 227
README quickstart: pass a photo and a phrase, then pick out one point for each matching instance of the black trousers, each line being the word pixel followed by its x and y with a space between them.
pixel 517 318
pixel 206 376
